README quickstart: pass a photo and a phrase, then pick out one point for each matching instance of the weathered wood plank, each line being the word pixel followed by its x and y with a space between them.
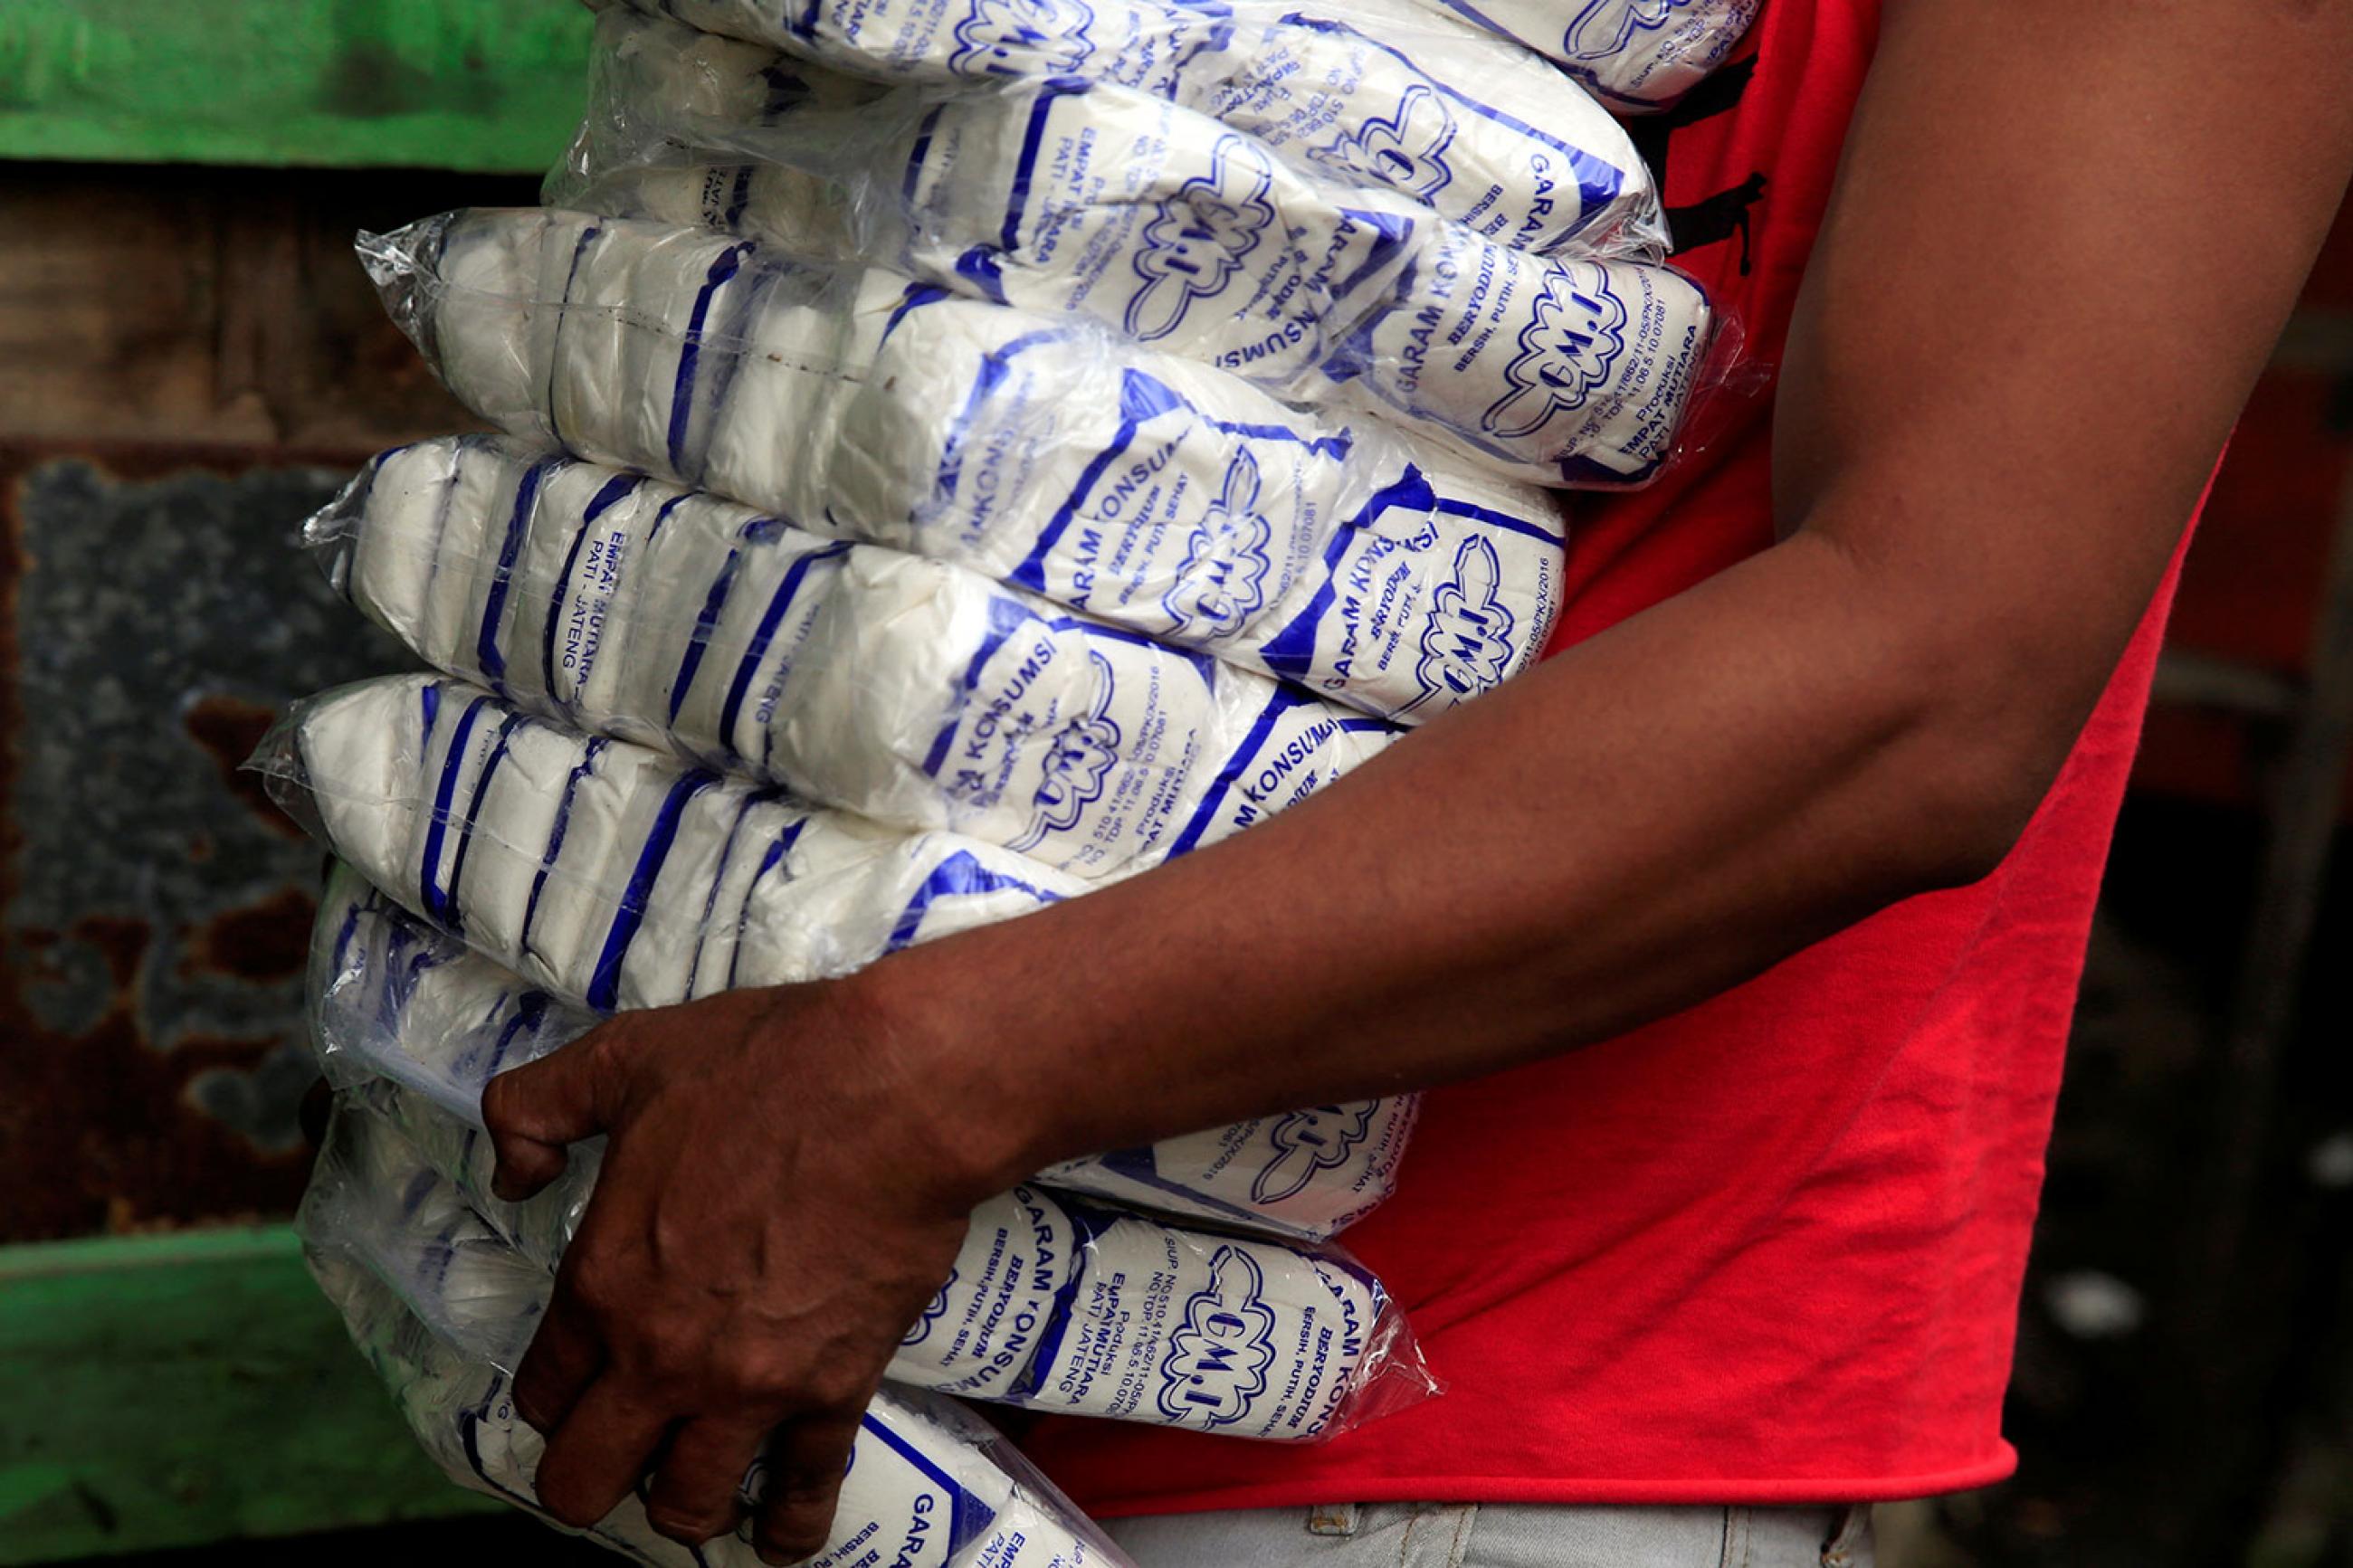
pixel 452 84
pixel 163 1391
pixel 144 305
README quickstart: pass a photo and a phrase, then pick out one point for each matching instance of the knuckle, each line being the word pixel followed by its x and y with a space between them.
pixel 533 1396
pixel 604 1052
pixel 809 1477
pixel 539 1387
pixel 651 1359
pixel 501 1110
pixel 667 1361
pixel 759 1372
pixel 686 1527
pixel 567 1506
pixel 836 1387
pixel 597 1288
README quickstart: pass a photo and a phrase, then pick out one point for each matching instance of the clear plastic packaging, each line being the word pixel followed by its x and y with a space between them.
pixel 1636 56
pixel 1556 371
pixel 1143 490
pixel 443 1310
pixel 1053 1303
pixel 1310 1172
pixel 1013 172
pixel 1386 92
pixel 1058 1305
pixel 393 998
pixel 1567 371
pixel 909 692
pixel 1072 198
pixel 709 82
pixel 711 91
pixel 404 1012
pixel 612 875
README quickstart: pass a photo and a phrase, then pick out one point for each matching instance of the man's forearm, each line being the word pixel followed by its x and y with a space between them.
pixel 1633 827
pixel 2017 354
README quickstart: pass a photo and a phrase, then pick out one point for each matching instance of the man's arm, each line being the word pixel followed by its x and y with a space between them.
pixel 2062 241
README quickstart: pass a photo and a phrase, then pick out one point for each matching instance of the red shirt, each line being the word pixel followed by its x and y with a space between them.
pixel 1769 1249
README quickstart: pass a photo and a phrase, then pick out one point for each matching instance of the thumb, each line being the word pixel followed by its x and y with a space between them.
pixel 534 1110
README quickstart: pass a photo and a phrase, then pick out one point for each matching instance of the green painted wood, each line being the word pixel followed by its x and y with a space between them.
pixel 172 1390
pixel 456 84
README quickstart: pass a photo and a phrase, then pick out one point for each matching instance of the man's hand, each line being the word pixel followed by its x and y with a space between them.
pixel 774 1208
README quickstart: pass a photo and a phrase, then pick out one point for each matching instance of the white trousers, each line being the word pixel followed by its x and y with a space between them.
pixel 1501 1536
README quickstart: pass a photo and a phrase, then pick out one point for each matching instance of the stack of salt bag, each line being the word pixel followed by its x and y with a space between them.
pixel 444 1308
pixel 945 461
pixel 1636 56
pixel 1480 270
pixel 1057 1299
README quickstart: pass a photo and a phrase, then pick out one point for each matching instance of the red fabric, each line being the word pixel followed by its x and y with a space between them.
pixel 1769 1250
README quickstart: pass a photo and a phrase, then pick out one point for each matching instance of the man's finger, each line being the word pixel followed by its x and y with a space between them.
pixel 598 1456
pixel 565 1355
pixel 535 1110
pixel 696 1491
pixel 805 1461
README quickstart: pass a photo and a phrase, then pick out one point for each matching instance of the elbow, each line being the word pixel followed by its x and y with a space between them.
pixel 1970 808
pixel 1966 707
pixel 1976 775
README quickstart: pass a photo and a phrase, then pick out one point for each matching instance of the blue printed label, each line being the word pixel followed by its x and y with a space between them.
pixel 1307 1143
pixel 1221 1347
pixel 1573 335
pixel 1578 370
pixel 1077 758
pixel 1405 148
pixel 1139 45
pixel 1431 599
pixel 1183 1328
pixel 1309 1172
pixel 1021 38
pixel 1221 582
pixel 1493 142
pixel 1466 645
pixel 1093 200
pixel 1191 250
pixel 984 1327
pixel 914 1495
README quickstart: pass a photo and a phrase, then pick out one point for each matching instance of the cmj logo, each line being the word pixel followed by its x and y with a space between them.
pixel 1022 37
pixel 1077 759
pixel 1307 1143
pixel 1222 581
pixel 932 1314
pixel 1218 1358
pixel 1407 150
pixel 1193 246
pixel 1606 26
pixel 1468 639
pixel 1574 332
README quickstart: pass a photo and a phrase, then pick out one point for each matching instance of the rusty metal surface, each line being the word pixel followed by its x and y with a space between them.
pixel 153 904
pixel 191 358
